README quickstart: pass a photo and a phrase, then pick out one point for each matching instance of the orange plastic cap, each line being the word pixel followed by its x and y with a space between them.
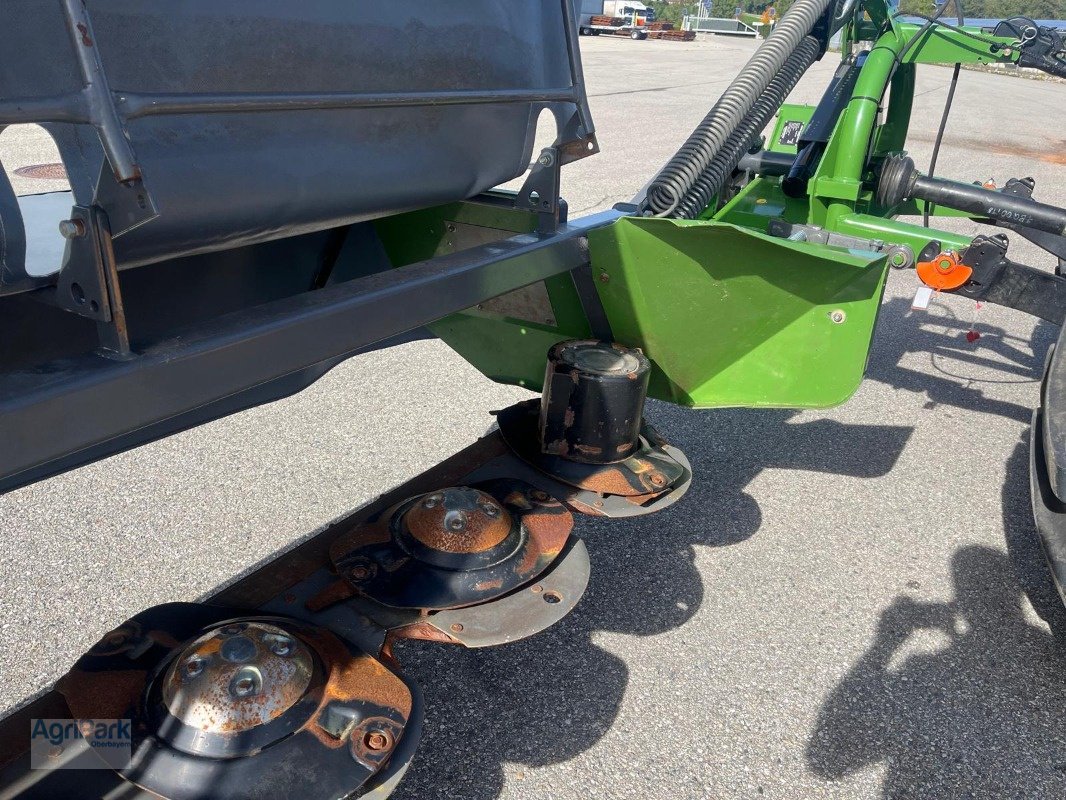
pixel 944 272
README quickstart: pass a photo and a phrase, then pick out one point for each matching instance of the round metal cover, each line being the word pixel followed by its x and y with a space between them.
pixel 55 172
pixel 447 526
pixel 454 547
pixel 518 615
pixel 601 358
pixel 654 477
pixel 237 676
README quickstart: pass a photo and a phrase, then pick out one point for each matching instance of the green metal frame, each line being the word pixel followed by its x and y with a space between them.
pixel 841 192
pixel 506 348
pixel 727 314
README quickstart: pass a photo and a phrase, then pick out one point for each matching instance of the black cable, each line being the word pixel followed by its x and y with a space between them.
pixel 928 207
pixel 935 20
pixel 929 23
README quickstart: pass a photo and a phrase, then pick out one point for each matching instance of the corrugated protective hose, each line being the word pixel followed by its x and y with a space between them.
pixel 711 180
pixel 677 178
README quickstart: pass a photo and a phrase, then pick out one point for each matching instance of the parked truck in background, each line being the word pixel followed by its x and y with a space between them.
pixel 627 8
pixel 614 16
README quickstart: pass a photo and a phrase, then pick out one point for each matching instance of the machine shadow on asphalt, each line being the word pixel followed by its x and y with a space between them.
pixel 956 720
pixel 943 336
pixel 964 720
pixel 556 696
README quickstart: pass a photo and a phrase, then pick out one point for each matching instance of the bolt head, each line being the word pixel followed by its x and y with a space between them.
pixel 246 683
pixel 194 666
pixel 282 646
pixel 376 740
pixel 71 228
pixel 838 316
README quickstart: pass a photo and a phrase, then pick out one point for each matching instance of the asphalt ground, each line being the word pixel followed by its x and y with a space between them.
pixel 849 603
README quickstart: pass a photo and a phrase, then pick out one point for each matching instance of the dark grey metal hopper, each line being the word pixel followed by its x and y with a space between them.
pixel 211 124
pixel 241 154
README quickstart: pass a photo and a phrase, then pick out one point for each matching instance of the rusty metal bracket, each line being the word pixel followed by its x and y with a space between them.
pixel 88 283
pixel 128 204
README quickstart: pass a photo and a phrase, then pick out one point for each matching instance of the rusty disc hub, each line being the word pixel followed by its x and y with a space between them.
pixel 454 547
pixel 272 705
pixel 458 520
pixel 237 677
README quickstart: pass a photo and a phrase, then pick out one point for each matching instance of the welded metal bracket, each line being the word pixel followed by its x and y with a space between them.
pixel 128 204
pixel 97 95
pixel 541 190
pixel 88 283
pixel 81 287
pixel 543 185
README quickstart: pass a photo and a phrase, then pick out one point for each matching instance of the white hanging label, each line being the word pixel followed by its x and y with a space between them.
pixel 922 298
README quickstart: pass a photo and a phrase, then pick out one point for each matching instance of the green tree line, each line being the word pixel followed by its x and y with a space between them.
pixel 974 9
pixel 995 9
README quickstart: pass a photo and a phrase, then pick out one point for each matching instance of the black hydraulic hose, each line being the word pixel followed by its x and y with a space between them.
pixel 683 170
pixel 929 23
pixel 714 177
pixel 768 163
